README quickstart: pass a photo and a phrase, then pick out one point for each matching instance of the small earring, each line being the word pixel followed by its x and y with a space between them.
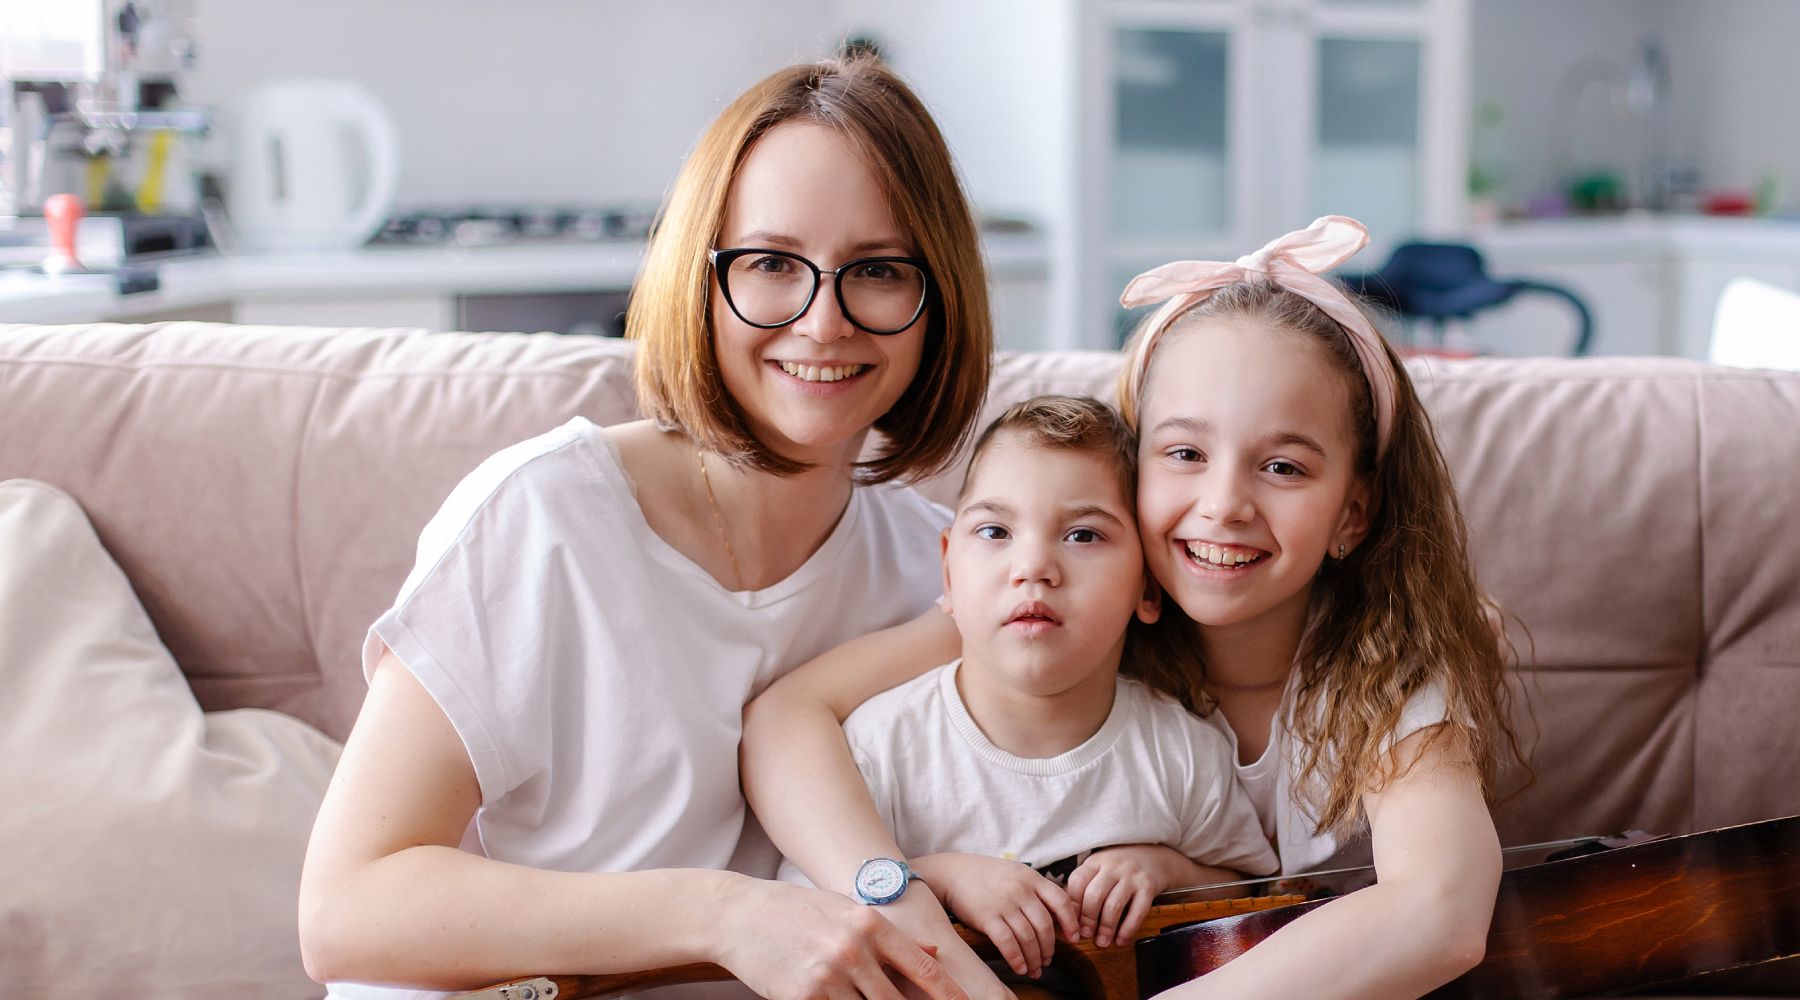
pixel 1341 552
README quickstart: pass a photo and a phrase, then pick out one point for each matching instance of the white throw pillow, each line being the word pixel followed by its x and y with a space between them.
pixel 147 849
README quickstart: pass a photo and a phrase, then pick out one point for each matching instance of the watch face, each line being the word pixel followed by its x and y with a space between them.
pixel 881 879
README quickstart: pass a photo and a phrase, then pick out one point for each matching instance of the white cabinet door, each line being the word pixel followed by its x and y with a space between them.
pixel 1211 126
pixel 1166 120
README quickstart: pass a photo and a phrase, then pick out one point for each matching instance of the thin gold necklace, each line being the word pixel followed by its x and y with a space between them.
pixel 737 575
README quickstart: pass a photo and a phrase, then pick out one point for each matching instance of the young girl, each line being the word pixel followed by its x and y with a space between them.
pixel 1295 507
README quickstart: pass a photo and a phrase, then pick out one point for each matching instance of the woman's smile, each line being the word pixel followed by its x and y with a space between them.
pixel 823 378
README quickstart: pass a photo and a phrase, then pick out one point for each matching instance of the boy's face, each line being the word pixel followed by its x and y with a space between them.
pixel 1042 566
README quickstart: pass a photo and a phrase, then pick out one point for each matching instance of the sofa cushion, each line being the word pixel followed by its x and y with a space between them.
pixel 188 828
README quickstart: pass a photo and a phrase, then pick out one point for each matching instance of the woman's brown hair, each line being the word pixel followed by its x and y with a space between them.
pixel 1401 612
pixel 678 378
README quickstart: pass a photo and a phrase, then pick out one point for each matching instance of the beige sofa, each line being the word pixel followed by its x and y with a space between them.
pixel 262 488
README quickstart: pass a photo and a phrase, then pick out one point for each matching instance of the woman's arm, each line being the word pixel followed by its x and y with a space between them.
pixel 386 896
pixel 1423 924
pixel 806 790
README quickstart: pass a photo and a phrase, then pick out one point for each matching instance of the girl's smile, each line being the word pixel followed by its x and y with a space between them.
pixel 1246 475
pixel 1223 560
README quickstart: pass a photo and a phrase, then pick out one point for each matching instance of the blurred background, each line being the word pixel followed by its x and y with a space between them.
pixel 470 164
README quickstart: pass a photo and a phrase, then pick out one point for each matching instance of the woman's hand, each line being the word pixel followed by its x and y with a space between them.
pixel 1016 908
pixel 787 942
pixel 1115 885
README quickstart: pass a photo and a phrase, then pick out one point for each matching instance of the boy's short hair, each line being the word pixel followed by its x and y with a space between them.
pixel 1068 423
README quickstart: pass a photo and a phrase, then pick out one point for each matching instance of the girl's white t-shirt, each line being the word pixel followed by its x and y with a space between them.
pixel 1269 780
pixel 597 677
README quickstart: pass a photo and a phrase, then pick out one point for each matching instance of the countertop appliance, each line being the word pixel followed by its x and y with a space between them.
pixel 314 166
pixel 90 106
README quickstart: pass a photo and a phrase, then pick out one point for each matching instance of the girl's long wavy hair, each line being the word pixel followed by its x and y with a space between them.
pixel 1401 611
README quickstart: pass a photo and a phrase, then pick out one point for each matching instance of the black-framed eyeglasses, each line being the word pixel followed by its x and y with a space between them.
pixel 773 288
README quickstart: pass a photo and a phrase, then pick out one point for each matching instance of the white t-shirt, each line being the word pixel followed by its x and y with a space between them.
pixel 1152 774
pixel 597 677
pixel 1269 779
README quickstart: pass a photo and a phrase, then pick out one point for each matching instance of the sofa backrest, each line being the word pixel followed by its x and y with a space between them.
pixel 264 487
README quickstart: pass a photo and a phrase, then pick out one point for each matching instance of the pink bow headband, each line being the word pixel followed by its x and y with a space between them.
pixel 1294 262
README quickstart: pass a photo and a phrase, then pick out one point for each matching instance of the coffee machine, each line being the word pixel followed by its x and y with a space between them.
pixel 90 105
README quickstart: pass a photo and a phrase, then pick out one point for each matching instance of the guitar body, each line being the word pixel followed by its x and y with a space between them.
pixel 1653 912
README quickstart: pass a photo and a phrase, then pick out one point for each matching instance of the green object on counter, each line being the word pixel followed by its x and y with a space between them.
pixel 1768 194
pixel 1598 192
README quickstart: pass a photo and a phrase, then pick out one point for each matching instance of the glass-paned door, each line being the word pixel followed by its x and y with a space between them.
pixel 1170 177
pixel 1365 158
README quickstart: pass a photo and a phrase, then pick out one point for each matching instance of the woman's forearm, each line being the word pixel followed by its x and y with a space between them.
pixel 441 918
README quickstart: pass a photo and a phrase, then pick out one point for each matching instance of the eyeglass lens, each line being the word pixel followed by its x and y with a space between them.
pixel 770 289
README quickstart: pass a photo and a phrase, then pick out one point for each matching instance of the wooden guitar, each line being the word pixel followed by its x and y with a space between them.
pixel 1601 918
pixel 1641 914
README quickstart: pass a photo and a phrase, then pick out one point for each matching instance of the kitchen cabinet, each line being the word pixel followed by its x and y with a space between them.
pixel 433 312
pixel 1699 281
pixel 1627 298
pixel 1651 282
pixel 1209 126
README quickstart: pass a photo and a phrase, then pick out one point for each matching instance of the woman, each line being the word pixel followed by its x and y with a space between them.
pixel 543 777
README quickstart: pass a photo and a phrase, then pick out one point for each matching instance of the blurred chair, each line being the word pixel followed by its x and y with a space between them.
pixel 1445 281
pixel 1757 325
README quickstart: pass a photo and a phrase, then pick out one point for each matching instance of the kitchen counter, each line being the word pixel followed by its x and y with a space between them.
pixel 1647 233
pixel 379 271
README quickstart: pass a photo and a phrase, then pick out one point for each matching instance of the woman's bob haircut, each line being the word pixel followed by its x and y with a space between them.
pixel 678 379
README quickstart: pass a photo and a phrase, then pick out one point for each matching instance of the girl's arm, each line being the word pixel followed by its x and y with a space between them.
pixel 386 896
pixel 794 740
pixel 1423 924
pixel 806 790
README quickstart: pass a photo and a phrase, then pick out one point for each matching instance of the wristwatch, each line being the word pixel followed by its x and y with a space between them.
pixel 882 880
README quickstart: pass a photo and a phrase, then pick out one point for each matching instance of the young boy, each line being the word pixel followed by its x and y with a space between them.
pixel 1032 748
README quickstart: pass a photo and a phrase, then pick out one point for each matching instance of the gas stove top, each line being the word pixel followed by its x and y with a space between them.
pixel 502 226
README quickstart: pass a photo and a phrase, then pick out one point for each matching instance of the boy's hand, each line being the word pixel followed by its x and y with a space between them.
pixel 1115 885
pixel 1018 909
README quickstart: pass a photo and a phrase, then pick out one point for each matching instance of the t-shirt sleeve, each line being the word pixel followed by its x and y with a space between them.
pixel 468 624
pixel 863 735
pixel 1425 708
pixel 1220 826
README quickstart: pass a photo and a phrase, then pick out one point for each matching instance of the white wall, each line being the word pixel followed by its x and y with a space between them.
pixel 528 101
pixel 1733 73
pixel 1743 58
pixel 1531 57
pixel 993 73
pixel 575 100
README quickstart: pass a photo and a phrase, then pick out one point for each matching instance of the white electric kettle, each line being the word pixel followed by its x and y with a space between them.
pixel 314 164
